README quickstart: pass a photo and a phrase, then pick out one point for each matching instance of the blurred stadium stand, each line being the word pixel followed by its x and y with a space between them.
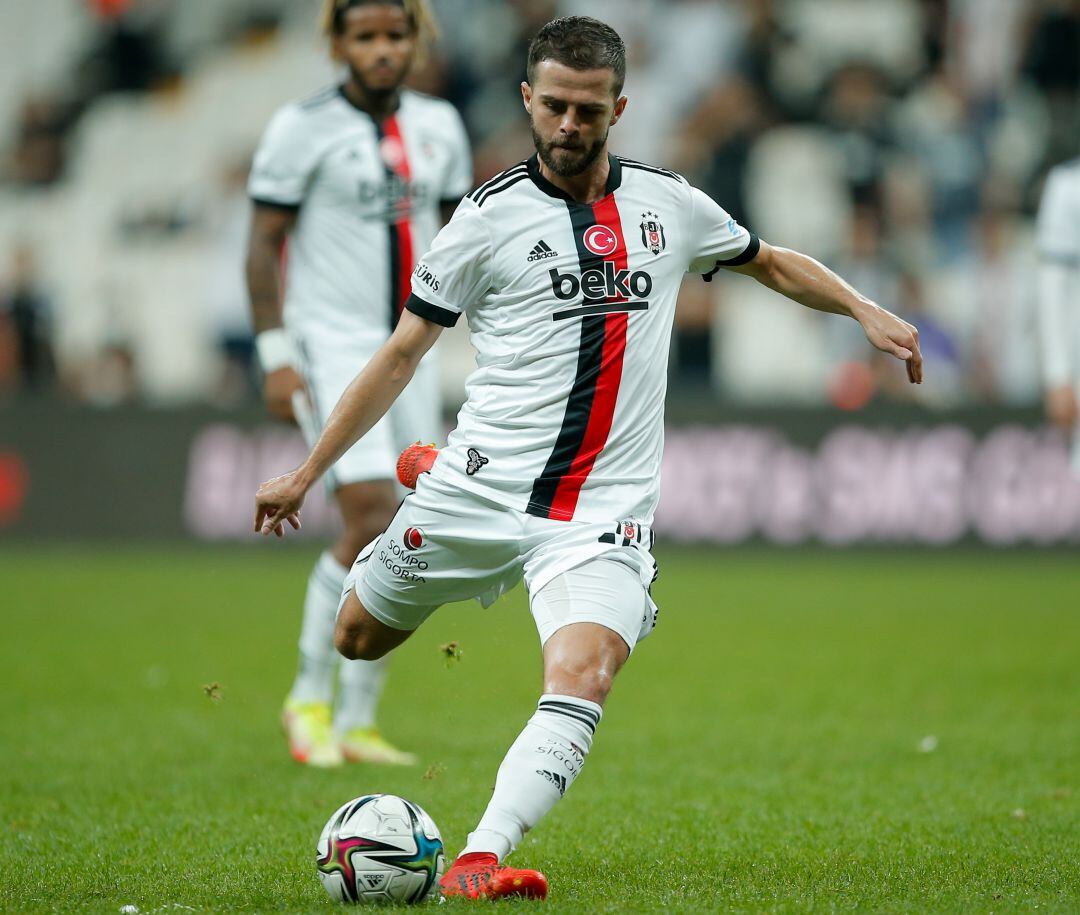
pixel 903 142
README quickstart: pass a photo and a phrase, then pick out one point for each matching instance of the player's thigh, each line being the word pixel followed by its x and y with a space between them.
pixel 442 546
pixel 366 507
pixel 600 594
pixel 591 573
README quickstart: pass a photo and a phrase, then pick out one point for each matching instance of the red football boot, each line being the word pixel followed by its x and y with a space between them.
pixel 480 876
pixel 415 460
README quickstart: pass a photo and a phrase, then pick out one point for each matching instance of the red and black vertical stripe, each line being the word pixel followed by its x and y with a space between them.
pixel 590 408
pixel 399 229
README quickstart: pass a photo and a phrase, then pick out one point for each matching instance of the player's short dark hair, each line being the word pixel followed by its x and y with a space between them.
pixel 581 43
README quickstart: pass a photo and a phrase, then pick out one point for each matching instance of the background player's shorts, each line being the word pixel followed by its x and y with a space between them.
pixel 446 545
pixel 415 416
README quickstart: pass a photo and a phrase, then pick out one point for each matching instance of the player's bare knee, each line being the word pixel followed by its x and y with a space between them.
pixel 582 661
pixel 354 637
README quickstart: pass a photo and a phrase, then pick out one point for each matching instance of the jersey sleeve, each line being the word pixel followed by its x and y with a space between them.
pixel 716 239
pixel 456 271
pixel 458 178
pixel 284 162
pixel 1058 224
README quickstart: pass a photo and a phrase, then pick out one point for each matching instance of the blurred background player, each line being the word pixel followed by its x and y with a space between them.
pixel 348 187
pixel 1058 230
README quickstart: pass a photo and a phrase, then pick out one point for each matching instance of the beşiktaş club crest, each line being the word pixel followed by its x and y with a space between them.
pixel 652 233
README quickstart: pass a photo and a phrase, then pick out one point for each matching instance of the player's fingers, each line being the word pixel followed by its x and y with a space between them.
pixel 271 522
pixel 260 513
pixel 915 365
pixel 294 520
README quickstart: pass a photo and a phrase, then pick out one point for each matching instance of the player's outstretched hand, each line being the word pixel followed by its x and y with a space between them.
pixel 892 335
pixel 278 501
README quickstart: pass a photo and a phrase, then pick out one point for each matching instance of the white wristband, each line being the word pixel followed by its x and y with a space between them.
pixel 275 350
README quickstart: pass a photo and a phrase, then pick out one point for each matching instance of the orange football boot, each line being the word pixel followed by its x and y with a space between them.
pixel 480 876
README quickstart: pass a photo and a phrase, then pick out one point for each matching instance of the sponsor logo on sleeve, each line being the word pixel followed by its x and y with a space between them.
pixel 424 275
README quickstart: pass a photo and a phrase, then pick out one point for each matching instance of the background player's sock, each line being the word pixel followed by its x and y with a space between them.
pixel 542 763
pixel 318 658
pixel 361 686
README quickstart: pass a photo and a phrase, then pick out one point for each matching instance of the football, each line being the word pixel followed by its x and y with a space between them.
pixel 380 848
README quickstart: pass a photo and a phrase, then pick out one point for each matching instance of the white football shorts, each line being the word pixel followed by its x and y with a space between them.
pixel 446 545
pixel 416 415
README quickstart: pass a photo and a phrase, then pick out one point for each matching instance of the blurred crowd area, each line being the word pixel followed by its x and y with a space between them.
pixel 902 142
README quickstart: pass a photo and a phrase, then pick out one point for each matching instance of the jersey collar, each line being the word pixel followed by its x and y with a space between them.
pixel 348 101
pixel 613 182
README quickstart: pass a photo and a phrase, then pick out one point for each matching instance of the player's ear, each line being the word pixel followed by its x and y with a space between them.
pixel 620 107
pixel 337 54
pixel 526 96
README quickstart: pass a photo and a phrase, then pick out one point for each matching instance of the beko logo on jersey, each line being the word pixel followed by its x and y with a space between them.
pixel 597 285
pixel 424 275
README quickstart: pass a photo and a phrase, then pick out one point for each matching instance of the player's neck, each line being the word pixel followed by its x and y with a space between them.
pixel 589 186
pixel 380 105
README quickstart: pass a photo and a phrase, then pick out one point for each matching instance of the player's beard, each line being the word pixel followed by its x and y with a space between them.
pixel 378 95
pixel 569 167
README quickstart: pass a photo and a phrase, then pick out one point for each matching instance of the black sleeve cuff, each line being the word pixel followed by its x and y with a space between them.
pixel 748 254
pixel 436 314
pixel 276 204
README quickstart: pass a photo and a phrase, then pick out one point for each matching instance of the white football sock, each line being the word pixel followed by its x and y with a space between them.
pixel 318 657
pixel 542 763
pixel 361 686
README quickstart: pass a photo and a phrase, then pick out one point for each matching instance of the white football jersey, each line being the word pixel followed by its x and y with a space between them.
pixel 570 308
pixel 1058 225
pixel 1058 241
pixel 367 197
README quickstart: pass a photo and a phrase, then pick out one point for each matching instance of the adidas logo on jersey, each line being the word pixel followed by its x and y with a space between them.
pixel 541 252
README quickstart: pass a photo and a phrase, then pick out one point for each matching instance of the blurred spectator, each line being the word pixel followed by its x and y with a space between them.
pixel 25 327
pixel 902 141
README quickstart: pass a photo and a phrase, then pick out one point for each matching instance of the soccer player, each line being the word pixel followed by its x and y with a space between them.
pixel 1058 233
pixel 347 187
pixel 567 268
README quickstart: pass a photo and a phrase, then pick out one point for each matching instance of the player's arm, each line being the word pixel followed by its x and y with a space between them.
pixel 1058 242
pixel 365 401
pixel 1056 339
pixel 814 285
pixel 270 226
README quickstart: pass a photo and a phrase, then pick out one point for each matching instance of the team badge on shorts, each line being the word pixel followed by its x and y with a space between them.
pixel 414 538
pixel 476 462
pixel 652 233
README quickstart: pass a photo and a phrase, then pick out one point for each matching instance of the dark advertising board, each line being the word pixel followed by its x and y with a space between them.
pixel 784 477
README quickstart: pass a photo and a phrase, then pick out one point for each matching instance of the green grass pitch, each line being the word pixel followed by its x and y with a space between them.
pixel 769 748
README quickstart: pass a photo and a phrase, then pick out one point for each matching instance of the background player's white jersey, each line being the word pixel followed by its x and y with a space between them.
pixel 570 307
pixel 368 198
pixel 1058 239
